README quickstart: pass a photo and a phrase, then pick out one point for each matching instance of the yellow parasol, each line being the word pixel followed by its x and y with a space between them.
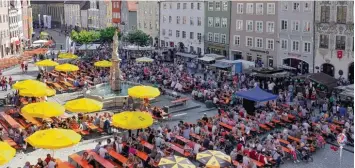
pixel 37 91
pixel 83 105
pixel 66 67
pixel 175 162
pixel 144 59
pixel 27 84
pixel 54 138
pixel 211 158
pixel 143 92
pixel 43 110
pixel 46 63
pixel 67 56
pixel 103 63
pixel 132 120
pixel 6 153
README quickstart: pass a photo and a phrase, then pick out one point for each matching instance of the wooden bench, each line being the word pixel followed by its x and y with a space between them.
pixel 10 120
pixel 229 127
pixel 103 162
pixel 181 100
pixel 147 145
pixel 79 161
pixel 195 136
pixel 179 150
pixel 75 127
pixel 120 158
pixel 61 164
pixel 263 126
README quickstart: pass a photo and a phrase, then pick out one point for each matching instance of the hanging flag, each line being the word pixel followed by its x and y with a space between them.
pixel 39 19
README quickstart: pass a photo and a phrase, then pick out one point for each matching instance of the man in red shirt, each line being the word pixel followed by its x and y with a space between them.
pixel 253 153
pixel 48 158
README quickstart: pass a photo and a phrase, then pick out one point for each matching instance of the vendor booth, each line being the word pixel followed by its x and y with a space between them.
pixel 208 59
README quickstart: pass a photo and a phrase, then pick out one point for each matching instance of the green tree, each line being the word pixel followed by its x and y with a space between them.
pixel 84 37
pixel 107 34
pixel 138 37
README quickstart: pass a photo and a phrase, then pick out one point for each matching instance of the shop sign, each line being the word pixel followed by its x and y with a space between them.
pixel 294 55
pixel 260 51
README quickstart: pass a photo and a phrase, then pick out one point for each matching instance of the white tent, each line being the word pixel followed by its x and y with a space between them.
pixel 89 47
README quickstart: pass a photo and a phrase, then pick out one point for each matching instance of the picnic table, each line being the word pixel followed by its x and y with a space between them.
pixel 103 162
pixel 12 122
pixel 79 160
pixel 147 145
pixel 117 156
pixel 179 150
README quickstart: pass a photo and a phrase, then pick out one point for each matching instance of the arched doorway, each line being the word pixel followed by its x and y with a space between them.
pixel 328 69
pixel 351 73
pixel 301 66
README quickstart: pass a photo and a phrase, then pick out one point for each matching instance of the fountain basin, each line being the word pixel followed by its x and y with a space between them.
pixel 109 98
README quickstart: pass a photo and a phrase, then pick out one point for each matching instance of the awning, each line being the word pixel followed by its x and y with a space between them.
pixel 207 59
pixel 256 94
pixel 186 55
pixel 221 65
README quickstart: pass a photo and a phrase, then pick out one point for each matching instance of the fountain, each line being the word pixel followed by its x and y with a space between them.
pixel 114 93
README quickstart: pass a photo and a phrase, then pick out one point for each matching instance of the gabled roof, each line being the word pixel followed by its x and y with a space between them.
pixel 132 6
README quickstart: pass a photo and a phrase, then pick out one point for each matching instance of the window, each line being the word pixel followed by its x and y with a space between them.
pixel 191 20
pixel 210 6
pixel 225 6
pixel 183 34
pixel 341 14
pixel 210 36
pixel 223 38
pixel 217 22
pixel 236 40
pixel 191 35
pixel 239 24
pixel 249 41
pixel 284 5
pixel 210 21
pixel 258 42
pixel 170 19
pixel 284 44
pixel 296 6
pixel 164 5
pixel 250 8
pixel 199 22
pixel 198 6
pixel 218 6
pixel 178 6
pixel 323 41
pixel 307 47
pixel 306 26
pixel 295 25
pixel 164 19
pixel 170 32
pixel 284 25
pixel 177 33
pixel 340 43
pixel 184 20
pixel 216 37
pixel 270 44
pixel 163 32
pixel 177 19
pixel 249 25
pixel 224 22
pixel 325 14
pixel 199 37
pixel 307 6
pixel 270 27
pixel 259 8
pixel 271 8
pixel 192 6
pixel 184 6
pixel 170 6
pixel 259 26
pixel 239 8
pixel 295 45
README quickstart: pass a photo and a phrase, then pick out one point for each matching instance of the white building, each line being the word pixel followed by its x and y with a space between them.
pixel 72 13
pixel 148 18
pixel 334 38
pixel 94 15
pixel 4 29
pixel 14 26
pixel 182 25
pixel 105 9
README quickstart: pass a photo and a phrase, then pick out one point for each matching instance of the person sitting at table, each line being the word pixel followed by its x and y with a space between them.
pixel 156 112
pixel 103 152
pixel 84 125
pixel 27 165
pixel 40 163
pixel 89 158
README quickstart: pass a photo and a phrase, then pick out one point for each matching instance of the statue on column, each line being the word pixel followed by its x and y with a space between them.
pixel 115 69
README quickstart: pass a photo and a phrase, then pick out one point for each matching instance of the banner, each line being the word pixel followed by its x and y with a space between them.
pixel 39 19
pixel 44 20
pixel 49 21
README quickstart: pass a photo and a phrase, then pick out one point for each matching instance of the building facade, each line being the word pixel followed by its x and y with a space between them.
pixel 148 19
pixel 15 26
pixel 217 27
pixel 296 31
pixel 182 25
pixel 334 38
pixel 53 8
pixel 105 18
pixel 94 15
pixel 128 16
pixel 253 32
pixel 72 14
pixel 116 13
pixel 4 29
pixel 25 21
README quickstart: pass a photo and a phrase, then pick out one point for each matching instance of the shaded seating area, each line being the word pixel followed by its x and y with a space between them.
pixel 256 94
